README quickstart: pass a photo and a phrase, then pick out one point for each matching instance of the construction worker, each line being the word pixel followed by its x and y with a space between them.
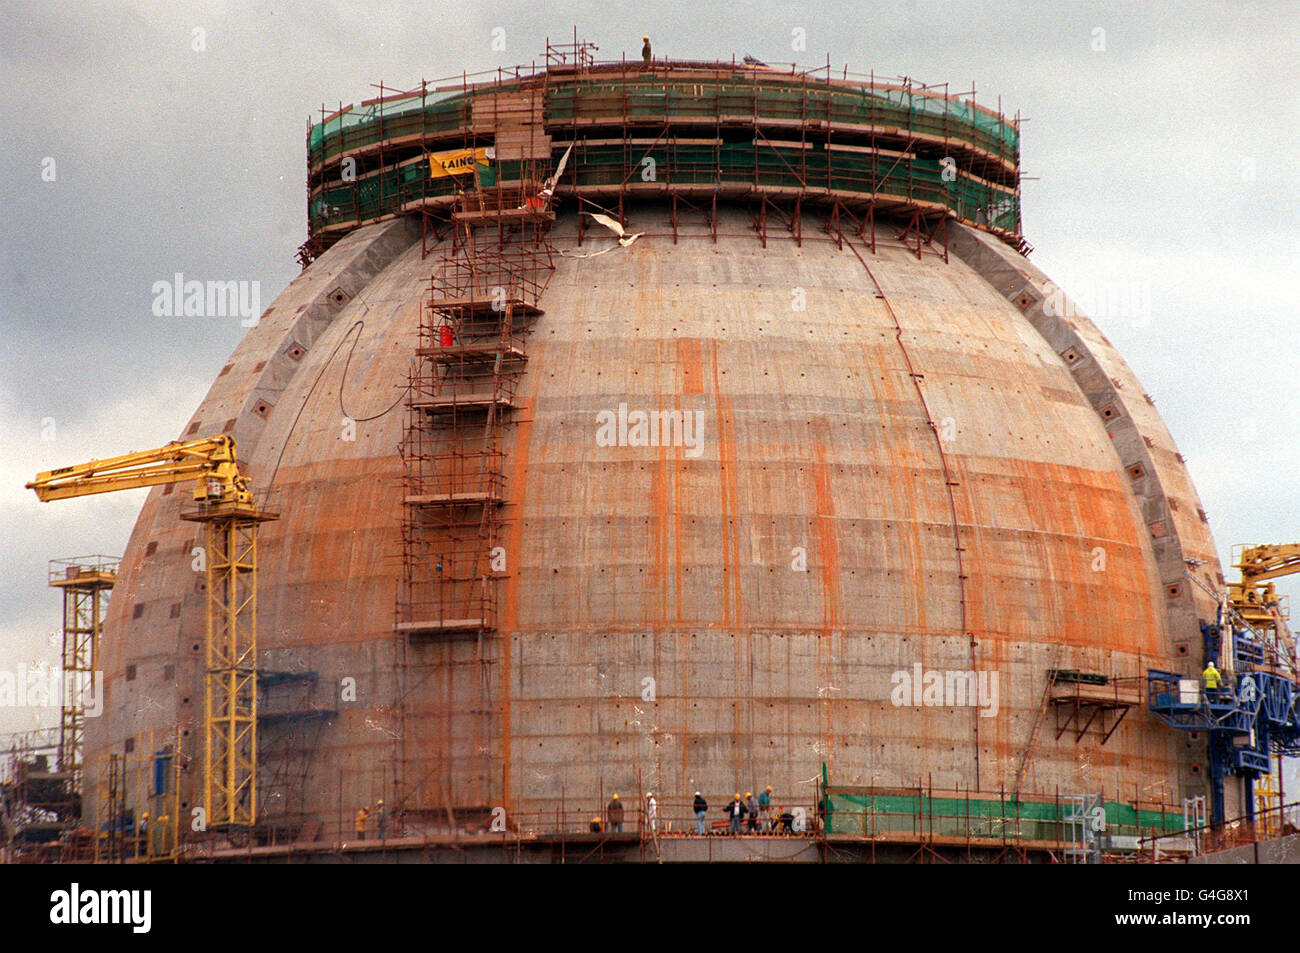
pixel 652 812
pixel 785 822
pixel 701 809
pixel 595 825
pixel 163 833
pixel 359 826
pixel 765 807
pixel 381 818
pixel 615 811
pixel 735 812
pixel 751 812
pixel 1212 679
pixel 646 58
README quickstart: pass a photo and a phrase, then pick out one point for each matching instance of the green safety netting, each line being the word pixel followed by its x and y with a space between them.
pixel 649 98
pixel 723 165
pixel 1008 818
pixel 363 126
pixel 727 164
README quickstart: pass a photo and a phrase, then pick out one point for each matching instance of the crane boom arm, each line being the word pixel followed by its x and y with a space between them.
pixel 1258 563
pixel 210 462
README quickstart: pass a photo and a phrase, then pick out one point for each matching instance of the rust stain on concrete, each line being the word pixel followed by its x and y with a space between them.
pixel 516 491
pixel 690 362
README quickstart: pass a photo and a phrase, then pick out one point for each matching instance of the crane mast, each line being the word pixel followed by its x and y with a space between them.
pixel 223 501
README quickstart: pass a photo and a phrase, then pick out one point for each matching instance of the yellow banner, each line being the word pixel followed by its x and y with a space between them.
pixel 456 162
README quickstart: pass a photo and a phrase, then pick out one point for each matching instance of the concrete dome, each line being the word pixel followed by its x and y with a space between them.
pixel 903 461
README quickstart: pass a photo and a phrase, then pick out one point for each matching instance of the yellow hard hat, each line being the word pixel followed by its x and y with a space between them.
pixel 615 797
pixel 737 794
pixel 769 789
pixel 749 794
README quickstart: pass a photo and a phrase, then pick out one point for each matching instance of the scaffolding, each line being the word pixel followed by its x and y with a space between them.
pixel 859 146
pixel 292 710
pixel 137 809
pixel 39 803
pixel 469 358
pixel 1084 699
pixel 934 824
pixel 86 582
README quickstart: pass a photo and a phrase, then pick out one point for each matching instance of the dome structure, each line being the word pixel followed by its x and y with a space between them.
pixel 810 482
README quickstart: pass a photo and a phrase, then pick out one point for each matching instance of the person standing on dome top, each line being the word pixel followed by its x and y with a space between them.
pixel 646 58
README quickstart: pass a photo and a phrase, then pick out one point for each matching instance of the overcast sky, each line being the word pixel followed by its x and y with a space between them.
pixel 1161 139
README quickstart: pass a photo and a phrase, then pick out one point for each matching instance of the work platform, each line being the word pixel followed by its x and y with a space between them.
pixel 432 626
pixel 450 403
pixel 1080 701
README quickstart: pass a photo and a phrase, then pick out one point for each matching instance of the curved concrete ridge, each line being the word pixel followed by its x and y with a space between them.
pixel 311 304
pixel 1180 534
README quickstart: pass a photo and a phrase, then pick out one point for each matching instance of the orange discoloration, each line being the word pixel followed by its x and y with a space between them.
pixel 677 536
pixel 1041 581
pixel 690 362
pixel 828 550
pixel 828 558
pixel 656 610
pixel 728 510
pixel 517 491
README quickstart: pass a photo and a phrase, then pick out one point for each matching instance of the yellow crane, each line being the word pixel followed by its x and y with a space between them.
pixel 1255 597
pixel 224 501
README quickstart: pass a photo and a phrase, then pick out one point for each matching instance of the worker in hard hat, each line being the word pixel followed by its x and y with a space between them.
pixel 359 824
pixel 751 813
pixel 735 812
pixel 1212 681
pixel 765 808
pixel 615 811
pixel 651 812
pixel 645 52
pixel 595 825
pixel 701 809
pixel 381 818
pixel 785 821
